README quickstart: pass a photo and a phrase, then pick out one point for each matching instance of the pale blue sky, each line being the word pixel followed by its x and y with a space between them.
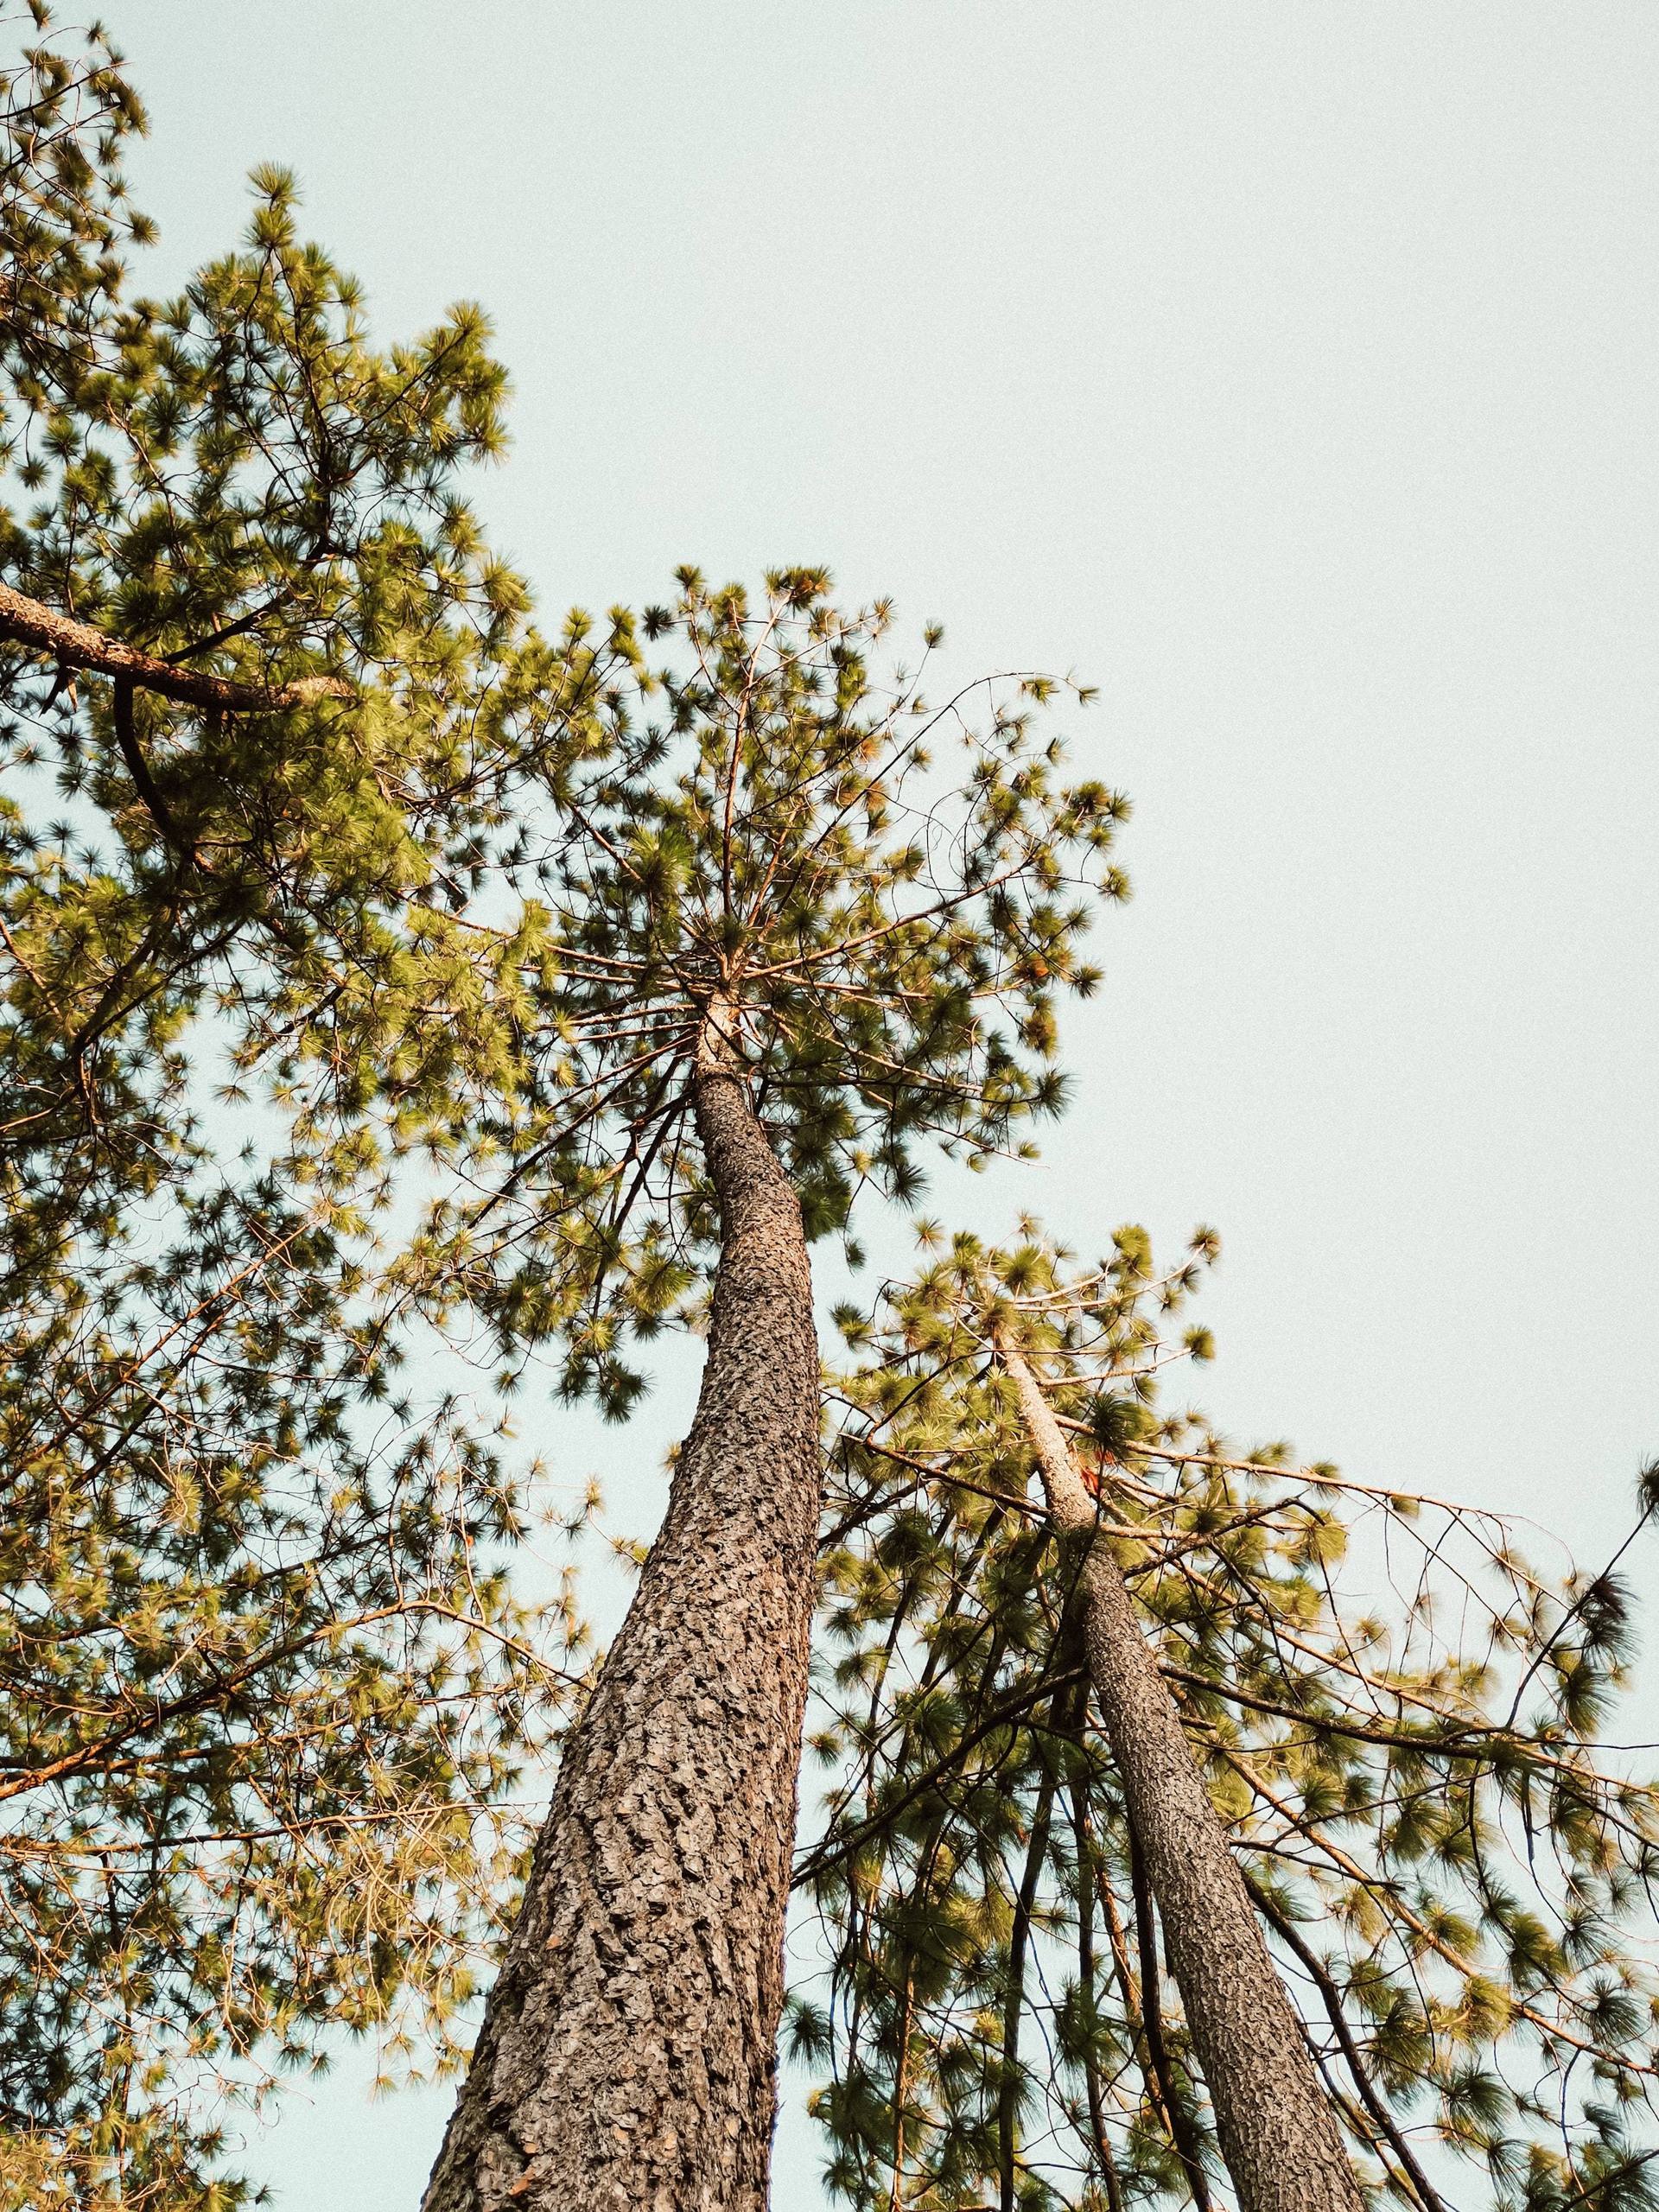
pixel 1286 368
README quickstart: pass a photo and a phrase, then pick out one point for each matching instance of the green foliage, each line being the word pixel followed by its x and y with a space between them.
pixel 250 487
pixel 477 894
pixel 1454 1879
pixel 264 1690
pixel 755 834
pixel 65 221
pixel 264 1687
pixel 263 1694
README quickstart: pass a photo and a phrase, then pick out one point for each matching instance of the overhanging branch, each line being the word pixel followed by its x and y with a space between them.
pixel 58 637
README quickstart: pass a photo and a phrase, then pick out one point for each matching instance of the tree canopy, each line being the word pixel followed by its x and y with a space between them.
pixel 363 950
pixel 758 823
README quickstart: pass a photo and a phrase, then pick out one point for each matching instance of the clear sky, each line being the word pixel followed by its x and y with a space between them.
pixel 1289 370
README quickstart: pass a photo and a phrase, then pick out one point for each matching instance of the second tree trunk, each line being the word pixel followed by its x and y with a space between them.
pixel 1278 2135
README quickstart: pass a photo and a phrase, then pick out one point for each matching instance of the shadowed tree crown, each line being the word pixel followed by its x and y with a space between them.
pixel 768 851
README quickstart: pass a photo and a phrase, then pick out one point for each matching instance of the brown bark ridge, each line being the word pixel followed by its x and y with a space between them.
pixel 1278 2134
pixel 58 637
pixel 626 2055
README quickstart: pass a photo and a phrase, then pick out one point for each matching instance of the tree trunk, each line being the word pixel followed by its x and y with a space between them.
pixel 1278 2135
pixel 626 2062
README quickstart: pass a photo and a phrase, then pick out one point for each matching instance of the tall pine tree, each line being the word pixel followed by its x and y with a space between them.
pixel 784 948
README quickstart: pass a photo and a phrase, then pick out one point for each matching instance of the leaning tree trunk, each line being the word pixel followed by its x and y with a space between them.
pixel 1278 2134
pixel 626 2055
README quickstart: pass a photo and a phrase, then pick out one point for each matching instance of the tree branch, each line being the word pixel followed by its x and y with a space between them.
pixel 1427 2196
pixel 58 637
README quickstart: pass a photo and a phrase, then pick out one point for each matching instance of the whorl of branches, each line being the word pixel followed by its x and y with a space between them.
pixel 885 894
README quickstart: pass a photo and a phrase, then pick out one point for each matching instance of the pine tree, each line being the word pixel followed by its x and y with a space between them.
pixel 263 1689
pixel 659 966
pixel 783 949
pixel 1450 1877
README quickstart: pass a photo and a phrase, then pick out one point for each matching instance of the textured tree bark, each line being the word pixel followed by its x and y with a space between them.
pixel 1278 2134
pixel 626 2055
pixel 56 636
